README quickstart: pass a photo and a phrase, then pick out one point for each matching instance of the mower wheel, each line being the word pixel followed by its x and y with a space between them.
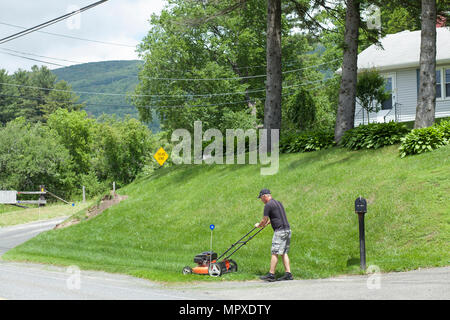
pixel 215 270
pixel 233 266
pixel 187 270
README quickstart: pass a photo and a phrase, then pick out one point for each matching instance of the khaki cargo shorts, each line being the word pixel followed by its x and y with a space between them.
pixel 281 241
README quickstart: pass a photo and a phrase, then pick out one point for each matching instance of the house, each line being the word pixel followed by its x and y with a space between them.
pixel 397 59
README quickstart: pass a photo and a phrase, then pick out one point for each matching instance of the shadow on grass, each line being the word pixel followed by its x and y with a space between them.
pixel 310 157
pixel 352 156
pixel 185 172
pixel 353 262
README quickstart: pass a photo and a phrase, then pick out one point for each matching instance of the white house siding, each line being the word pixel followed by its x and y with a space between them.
pixel 406 98
pixel 406 94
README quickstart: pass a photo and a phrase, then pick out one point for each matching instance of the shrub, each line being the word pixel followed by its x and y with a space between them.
pixel 122 148
pixel 370 91
pixel 423 140
pixel 93 186
pixel 444 127
pixel 374 135
pixel 292 142
pixel 74 132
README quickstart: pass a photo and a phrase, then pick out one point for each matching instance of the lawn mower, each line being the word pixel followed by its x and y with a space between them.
pixel 208 262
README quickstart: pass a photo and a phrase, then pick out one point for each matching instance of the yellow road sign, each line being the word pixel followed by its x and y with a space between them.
pixel 161 156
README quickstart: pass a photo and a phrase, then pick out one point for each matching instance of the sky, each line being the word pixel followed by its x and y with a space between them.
pixel 123 22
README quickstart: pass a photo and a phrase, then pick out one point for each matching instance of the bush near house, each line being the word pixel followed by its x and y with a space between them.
pixel 292 142
pixel 444 127
pixel 374 135
pixel 425 139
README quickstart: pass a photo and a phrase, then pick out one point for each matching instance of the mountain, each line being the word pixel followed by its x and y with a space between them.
pixel 107 77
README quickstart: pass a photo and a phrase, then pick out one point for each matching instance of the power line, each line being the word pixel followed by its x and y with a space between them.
pixel 49 23
pixel 236 78
pixel 72 37
pixel 284 64
pixel 37 55
pixel 154 106
pixel 161 95
pixel 42 61
pixel 117 105
pixel 78 62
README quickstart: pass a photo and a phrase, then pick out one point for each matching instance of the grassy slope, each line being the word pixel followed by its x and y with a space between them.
pixel 164 223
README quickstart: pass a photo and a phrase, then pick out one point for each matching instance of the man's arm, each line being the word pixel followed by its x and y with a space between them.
pixel 264 222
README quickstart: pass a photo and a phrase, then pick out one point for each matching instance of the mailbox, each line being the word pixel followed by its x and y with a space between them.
pixel 360 205
pixel 361 209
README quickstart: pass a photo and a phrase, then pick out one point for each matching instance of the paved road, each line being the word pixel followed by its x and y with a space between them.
pixel 34 281
pixel 11 237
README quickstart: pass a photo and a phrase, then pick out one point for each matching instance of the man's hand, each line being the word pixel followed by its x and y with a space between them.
pixel 264 222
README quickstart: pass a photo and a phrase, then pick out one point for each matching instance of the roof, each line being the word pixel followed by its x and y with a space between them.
pixel 402 50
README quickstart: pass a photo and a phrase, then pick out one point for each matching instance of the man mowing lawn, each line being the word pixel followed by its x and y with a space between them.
pixel 275 215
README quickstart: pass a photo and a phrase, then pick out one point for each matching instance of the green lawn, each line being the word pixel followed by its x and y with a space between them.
pixel 10 215
pixel 165 221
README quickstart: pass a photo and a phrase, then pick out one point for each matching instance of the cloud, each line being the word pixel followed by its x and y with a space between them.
pixel 116 21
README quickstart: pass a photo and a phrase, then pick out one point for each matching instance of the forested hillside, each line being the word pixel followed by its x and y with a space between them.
pixel 116 77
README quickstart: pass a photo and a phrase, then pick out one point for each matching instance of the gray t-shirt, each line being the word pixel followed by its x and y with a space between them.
pixel 275 211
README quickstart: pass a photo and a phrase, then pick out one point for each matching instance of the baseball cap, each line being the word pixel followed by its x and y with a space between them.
pixel 263 192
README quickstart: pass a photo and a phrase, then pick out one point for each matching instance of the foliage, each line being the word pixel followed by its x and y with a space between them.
pixel 210 45
pixel 424 139
pixel 121 149
pixel 374 135
pixel 72 151
pixel 370 90
pixel 301 110
pixel 400 15
pixel 73 130
pixel 30 155
pixel 238 120
pixel 93 185
pixel 444 127
pixel 292 142
pixel 396 19
pixel 18 97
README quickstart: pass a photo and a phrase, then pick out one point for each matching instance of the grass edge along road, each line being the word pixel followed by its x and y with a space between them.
pixel 165 221
pixel 10 216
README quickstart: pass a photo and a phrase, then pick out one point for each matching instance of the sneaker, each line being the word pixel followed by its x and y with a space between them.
pixel 268 277
pixel 287 276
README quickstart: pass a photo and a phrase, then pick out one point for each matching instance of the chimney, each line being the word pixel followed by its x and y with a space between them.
pixel 441 21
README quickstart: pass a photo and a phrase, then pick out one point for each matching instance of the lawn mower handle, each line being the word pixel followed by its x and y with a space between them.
pixel 242 243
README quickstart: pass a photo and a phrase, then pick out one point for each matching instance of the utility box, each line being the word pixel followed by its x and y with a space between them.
pixel 8 197
pixel 360 205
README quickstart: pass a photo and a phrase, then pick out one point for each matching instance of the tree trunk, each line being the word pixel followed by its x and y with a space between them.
pixel 345 118
pixel 426 103
pixel 272 107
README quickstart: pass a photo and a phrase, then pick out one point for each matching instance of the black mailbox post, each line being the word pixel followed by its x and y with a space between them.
pixel 361 209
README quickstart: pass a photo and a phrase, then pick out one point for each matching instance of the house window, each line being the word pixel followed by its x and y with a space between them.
pixel 387 104
pixel 442 83
pixel 447 83
pixel 438 84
